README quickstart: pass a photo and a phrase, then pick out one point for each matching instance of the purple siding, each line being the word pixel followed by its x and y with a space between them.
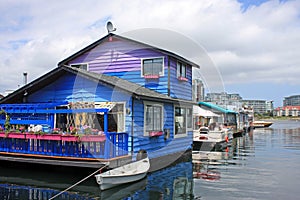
pixel 123 58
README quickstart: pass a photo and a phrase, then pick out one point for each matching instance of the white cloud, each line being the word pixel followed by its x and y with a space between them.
pixel 261 42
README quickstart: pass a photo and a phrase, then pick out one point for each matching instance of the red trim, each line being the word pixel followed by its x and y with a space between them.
pixel 93 138
pixel 49 137
pixel 69 138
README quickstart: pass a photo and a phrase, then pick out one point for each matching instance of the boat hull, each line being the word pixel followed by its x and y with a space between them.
pixel 212 140
pixel 125 174
pixel 261 124
pixel 209 145
pixel 110 182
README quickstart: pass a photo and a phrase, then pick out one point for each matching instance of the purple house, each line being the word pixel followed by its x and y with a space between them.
pixel 118 95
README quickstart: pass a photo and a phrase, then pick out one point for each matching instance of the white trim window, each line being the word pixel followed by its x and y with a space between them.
pixel 117 117
pixel 153 67
pixel 83 66
pixel 153 118
pixel 181 70
pixel 183 120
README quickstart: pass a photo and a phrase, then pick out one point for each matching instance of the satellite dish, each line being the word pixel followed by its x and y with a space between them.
pixel 110 27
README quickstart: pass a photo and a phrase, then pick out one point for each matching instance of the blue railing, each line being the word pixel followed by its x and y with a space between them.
pixel 114 145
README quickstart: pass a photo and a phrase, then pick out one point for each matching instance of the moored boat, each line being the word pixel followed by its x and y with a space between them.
pixel 125 174
pixel 261 124
pixel 208 140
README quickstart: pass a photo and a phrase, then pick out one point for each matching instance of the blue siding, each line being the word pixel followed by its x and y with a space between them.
pixel 73 88
pixel 180 89
pixel 158 146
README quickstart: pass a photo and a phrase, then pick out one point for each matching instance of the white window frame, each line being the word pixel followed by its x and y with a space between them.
pixel 74 65
pixel 151 58
pixel 179 67
pixel 122 129
pixel 147 103
pixel 187 129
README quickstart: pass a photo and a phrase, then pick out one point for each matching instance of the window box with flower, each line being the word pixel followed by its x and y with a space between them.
pixel 155 133
pixel 181 78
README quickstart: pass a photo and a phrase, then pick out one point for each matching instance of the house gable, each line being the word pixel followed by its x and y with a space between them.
pixel 122 57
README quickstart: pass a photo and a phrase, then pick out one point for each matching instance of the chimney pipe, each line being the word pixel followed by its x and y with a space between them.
pixel 25 77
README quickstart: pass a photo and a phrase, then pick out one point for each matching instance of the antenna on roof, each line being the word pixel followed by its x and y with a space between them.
pixel 110 27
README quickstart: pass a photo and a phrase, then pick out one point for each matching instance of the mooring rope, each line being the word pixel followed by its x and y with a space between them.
pixel 78 182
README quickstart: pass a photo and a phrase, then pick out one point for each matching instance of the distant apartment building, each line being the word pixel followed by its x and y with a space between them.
pixel 293 100
pixel 287 111
pixel 225 100
pixel 198 90
pixel 235 102
pixel 260 106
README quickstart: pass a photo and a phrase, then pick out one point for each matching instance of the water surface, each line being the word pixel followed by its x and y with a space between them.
pixel 263 164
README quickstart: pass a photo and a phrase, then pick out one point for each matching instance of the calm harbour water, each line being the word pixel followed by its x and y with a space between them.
pixel 261 165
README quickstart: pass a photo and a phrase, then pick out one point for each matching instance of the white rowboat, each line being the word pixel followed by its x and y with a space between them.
pixel 125 174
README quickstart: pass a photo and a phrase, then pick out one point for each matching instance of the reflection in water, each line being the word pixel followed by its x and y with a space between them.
pixel 264 164
pixel 172 183
pixel 21 182
pixel 11 191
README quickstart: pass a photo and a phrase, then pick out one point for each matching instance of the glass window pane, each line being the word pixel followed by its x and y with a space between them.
pixel 180 120
pixel 183 71
pixel 153 66
pixel 178 70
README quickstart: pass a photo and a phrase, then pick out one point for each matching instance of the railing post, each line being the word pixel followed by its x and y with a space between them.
pixel 107 141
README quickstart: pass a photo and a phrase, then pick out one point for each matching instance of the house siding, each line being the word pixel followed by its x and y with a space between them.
pixel 74 88
pixel 123 59
pixel 180 89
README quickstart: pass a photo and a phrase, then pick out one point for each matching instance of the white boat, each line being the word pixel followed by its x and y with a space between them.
pixel 208 140
pixel 125 174
pixel 261 124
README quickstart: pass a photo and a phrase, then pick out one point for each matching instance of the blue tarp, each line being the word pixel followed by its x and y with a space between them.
pixel 215 107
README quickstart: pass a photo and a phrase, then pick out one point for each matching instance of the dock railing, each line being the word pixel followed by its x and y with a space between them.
pixel 106 146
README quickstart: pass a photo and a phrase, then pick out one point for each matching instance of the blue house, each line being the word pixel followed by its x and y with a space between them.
pixel 124 94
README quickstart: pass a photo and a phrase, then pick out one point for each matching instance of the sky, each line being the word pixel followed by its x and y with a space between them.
pixel 252 45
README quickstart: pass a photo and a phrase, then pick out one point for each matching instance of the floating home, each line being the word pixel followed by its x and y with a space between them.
pixel 238 121
pixel 224 115
pixel 102 105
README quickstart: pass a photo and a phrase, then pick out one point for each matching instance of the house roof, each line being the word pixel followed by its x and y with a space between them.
pixel 105 38
pixel 136 90
pixel 215 107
